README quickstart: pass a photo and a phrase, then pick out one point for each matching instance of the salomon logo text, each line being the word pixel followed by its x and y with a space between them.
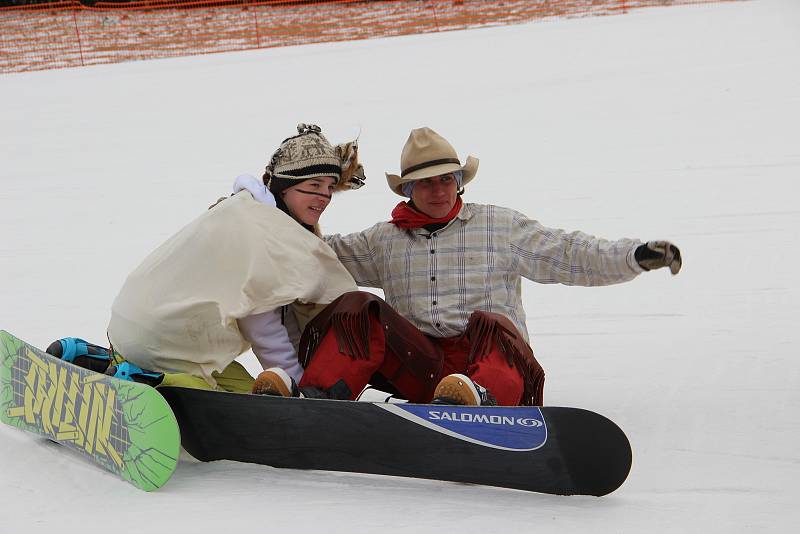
pixel 467 417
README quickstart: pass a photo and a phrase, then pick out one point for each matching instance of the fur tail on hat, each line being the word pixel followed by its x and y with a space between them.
pixel 352 171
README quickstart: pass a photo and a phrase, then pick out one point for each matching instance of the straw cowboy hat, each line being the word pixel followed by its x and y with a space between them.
pixel 427 154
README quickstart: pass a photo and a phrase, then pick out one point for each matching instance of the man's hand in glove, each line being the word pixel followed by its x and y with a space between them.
pixel 657 254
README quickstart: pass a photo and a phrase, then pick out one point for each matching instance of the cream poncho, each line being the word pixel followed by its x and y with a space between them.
pixel 177 311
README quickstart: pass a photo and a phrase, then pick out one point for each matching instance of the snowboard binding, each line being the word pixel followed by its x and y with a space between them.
pixel 81 353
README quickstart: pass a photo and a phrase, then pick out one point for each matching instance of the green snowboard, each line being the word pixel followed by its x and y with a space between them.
pixel 125 427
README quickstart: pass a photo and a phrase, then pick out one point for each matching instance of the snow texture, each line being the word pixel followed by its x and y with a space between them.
pixel 677 123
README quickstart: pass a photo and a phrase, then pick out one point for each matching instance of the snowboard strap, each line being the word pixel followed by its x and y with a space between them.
pixel 73 347
pixel 134 373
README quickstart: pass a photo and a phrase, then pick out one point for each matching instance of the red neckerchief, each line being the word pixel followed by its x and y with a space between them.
pixel 404 216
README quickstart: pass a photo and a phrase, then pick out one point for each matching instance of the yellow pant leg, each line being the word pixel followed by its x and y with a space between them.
pixel 183 380
pixel 233 378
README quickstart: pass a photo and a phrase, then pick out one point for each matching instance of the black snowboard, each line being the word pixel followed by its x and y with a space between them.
pixel 563 451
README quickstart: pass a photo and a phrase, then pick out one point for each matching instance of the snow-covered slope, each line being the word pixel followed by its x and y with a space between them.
pixel 678 123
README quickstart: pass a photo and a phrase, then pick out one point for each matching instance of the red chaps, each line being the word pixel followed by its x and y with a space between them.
pixel 360 339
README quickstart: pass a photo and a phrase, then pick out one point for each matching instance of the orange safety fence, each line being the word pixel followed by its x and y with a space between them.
pixel 68 33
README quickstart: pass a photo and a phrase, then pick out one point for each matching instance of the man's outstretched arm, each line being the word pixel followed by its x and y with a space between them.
pixel 550 255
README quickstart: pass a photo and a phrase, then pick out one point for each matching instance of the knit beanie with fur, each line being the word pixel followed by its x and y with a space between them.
pixel 301 157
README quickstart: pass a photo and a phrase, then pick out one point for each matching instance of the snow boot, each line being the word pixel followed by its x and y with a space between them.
pixel 275 381
pixel 459 389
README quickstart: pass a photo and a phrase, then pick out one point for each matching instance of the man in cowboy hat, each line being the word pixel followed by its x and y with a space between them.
pixel 452 328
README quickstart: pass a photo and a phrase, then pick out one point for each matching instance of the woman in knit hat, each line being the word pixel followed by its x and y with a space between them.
pixel 303 173
pixel 250 272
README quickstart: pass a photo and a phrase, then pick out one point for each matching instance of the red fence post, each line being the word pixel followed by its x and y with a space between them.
pixel 435 18
pixel 78 34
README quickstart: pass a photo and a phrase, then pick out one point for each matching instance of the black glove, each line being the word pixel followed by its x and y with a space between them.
pixel 657 254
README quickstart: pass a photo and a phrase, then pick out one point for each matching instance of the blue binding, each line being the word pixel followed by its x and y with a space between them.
pixel 127 370
pixel 72 347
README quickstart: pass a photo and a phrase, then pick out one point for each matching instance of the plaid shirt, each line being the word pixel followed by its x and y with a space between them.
pixel 436 280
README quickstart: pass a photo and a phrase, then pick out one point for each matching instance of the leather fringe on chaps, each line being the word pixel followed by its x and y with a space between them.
pixel 486 330
pixel 350 317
